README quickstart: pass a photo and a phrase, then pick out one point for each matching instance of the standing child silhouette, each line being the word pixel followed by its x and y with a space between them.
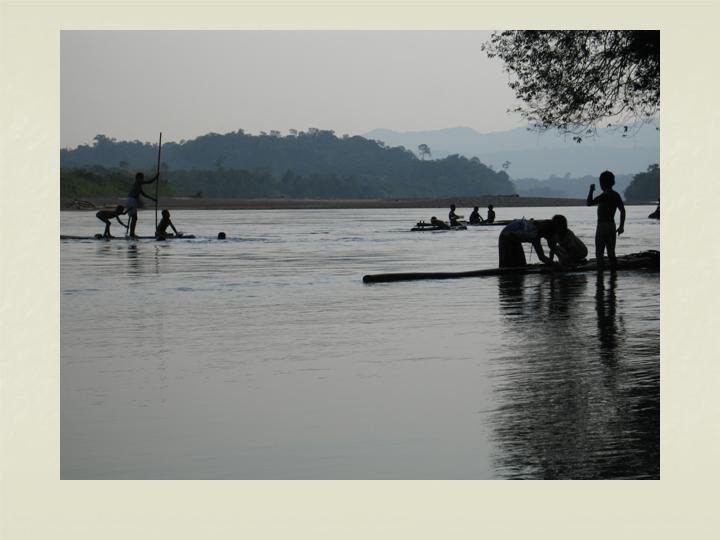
pixel 605 235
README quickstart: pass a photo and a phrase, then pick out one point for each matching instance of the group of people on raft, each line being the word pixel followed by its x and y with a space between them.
pixel 130 208
pixel 454 218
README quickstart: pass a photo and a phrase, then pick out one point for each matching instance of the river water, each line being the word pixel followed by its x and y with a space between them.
pixel 264 356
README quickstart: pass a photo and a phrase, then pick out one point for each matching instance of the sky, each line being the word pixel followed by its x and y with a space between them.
pixel 131 85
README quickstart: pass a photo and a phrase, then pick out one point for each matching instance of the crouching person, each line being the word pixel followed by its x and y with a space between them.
pixel 106 215
pixel 570 250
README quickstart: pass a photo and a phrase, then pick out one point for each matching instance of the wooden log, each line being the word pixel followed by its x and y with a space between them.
pixel 646 260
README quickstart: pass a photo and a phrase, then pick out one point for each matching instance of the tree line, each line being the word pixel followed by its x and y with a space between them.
pixel 315 163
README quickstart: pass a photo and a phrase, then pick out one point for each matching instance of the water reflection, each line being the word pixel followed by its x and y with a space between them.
pixel 607 317
pixel 143 261
pixel 134 261
pixel 569 406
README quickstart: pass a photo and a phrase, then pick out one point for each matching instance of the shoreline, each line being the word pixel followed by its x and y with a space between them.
pixel 190 203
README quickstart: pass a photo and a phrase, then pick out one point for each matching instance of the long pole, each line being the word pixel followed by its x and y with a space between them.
pixel 157 181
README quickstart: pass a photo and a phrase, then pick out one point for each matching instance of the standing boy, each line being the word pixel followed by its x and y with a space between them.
pixel 607 202
pixel 133 199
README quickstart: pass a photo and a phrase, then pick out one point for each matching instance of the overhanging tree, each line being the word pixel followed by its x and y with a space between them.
pixel 578 80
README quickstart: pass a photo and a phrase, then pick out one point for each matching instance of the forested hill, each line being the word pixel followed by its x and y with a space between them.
pixel 305 164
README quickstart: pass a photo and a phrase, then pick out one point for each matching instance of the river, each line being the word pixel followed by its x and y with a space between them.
pixel 264 356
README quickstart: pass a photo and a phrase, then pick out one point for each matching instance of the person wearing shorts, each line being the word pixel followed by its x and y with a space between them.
pixel 133 199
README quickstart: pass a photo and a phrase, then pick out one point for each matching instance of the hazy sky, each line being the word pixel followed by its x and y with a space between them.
pixel 133 84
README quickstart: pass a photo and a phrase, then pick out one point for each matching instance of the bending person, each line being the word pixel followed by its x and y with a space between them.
pixel 106 215
pixel 521 231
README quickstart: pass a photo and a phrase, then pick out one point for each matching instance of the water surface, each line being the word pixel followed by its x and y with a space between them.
pixel 265 356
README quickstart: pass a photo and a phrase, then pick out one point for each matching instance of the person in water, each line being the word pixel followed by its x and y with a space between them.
pixel 106 215
pixel 491 214
pixel 475 217
pixel 161 231
pixel 515 234
pixel 439 223
pixel 569 249
pixel 133 199
pixel 453 217
pixel 608 202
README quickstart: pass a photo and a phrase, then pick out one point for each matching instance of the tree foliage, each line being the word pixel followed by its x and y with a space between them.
pixel 424 150
pixel 645 186
pixel 576 81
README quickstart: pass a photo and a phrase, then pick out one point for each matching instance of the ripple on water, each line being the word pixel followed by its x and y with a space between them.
pixel 257 356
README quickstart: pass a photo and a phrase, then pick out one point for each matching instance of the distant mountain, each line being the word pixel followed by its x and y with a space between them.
pixel 532 155
pixel 568 187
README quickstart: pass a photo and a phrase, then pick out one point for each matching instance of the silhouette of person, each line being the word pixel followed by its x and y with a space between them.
pixel 161 231
pixel 608 202
pixel 106 215
pixel 491 214
pixel 475 217
pixel 519 231
pixel 133 199
pixel 453 217
pixel 569 249
pixel 439 223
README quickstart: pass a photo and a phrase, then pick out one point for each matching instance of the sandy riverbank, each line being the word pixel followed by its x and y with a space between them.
pixel 268 204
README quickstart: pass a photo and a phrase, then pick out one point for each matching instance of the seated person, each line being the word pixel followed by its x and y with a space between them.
pixel 475 216
pixel 453 217
pixel 491 214
pixel 106 215
pixel 161 231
